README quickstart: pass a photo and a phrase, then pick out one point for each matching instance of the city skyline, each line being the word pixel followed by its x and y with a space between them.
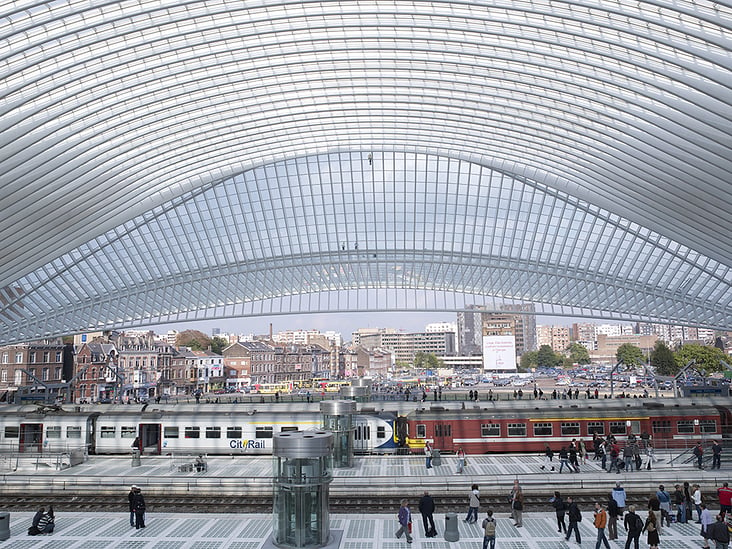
pixel 343 323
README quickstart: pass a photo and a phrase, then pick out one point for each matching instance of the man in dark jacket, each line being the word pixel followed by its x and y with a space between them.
pixel 613 512
pixel 575 516
pixel 719 532
pixel 427 508
pixel 634 526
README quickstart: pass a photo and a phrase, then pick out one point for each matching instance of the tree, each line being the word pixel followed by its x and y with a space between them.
pixel 663 360
pixel 547 358
pixel 630 355
pixel 578 354
pixel 529 359
pixel 218 344
pixel 707 358
pixel 197 341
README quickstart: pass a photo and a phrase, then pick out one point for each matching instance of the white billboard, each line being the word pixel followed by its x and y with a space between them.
pixel 499 353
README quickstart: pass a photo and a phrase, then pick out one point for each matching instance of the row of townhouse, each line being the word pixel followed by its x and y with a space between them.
pixel 141 369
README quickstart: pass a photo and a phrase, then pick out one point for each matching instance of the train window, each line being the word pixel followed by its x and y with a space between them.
pixel 233 432
pixel 685 426
pixel 288 429
pixel 357 433
pixel 12 432
pixel 107 431
pixel 618 428
pixel 595 428
pixel 661 426
pixel 170 432
pixel 73 432
pixel 490 430
pixel 128 432
pixel 213 432
pixel 543 430
pixel 381 432
pixel 53 431
pixel 263 432
pixel 570 428
pixel 192 432
pixel 443 430
pixel 517 429
pixel 707 426
pixel 421 430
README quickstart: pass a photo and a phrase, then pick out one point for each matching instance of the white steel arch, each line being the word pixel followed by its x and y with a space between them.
pixel 606 124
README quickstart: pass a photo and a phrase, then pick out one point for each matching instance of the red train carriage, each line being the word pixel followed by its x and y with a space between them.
pixel 527 426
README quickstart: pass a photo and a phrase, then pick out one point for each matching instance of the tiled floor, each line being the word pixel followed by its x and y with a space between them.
pixel 231 531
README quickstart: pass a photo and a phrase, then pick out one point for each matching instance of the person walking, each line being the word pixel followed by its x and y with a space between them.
pixel 489 531
pixel 560 509
pixel 473 504
pixel 634 526
pixel 517 504
pixel 651 527
pixel 716 454
pixel 612 517
pixel 706 520
pixel 619 496
pixel 427 509
pixel 719 532
pixel 564 459
pixel 405 521
pixel 600 524
pixel 548 457
pixel 575 517
pixel 138 504
pixel 664 502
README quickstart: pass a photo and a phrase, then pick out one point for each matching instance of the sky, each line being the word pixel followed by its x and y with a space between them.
pixel 345 323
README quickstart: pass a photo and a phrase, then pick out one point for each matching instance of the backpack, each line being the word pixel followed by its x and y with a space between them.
pixel 489 527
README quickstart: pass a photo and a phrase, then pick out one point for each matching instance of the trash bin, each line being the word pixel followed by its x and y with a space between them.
pixel 451 527
pixel 4 525
pixel 436 460
pixel 136 458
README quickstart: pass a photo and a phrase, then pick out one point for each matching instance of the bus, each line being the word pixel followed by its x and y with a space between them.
pixel 272 388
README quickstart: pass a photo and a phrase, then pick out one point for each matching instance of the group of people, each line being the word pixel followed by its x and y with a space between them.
pixel 43 522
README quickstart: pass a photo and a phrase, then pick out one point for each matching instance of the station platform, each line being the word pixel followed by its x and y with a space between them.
pixel 79 530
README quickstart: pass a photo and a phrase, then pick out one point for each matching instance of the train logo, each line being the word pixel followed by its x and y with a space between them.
pixel 247 445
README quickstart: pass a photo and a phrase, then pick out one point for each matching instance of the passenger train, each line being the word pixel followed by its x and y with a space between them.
pixel 222 429
pixel 485 427
pixel 528 426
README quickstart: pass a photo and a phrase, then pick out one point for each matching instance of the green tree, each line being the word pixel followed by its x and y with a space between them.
pixel 630 355
pixel 578 354
pixel 547 358
pixel 707 358
pixel 197 341
pixel 218 344
pixel 663 360
pixel 529 359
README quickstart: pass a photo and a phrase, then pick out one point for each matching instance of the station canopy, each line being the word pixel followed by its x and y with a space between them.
pixel 166 161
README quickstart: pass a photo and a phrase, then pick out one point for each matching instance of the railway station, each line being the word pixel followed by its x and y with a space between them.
pixel 229 504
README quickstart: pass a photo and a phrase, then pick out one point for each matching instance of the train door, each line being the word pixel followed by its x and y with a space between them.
pixel 725 417
pixel 31 437
pixel 91 441
pixel 443 436
pixel 150 437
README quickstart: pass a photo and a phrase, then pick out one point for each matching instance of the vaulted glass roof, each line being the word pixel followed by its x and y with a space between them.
pixel 164 161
